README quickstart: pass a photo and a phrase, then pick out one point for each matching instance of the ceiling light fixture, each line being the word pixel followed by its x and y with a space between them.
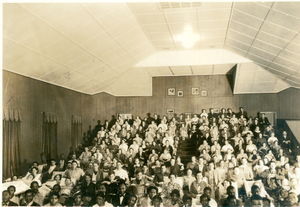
pixel 188 38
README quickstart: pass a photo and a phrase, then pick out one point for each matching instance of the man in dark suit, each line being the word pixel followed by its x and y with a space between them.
pixel 242 112
pixel 47 171
pixel 159 176
pixel 96 173
pixel 122 196
pixel 156 119
pixel 263 121
pixel 29 194
pixel 6 199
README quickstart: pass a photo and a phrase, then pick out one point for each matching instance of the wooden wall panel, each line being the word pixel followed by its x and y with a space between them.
pixel 289 104
pixel 33 97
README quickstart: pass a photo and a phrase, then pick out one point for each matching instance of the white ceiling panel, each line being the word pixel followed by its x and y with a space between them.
pixel 237 44
pixel 70 55
pixel 42 39
pixel 136 42
pixel 63 71
pixel 52 13
pixel 24 28
pixel 213 33
pixel 234 25
pixel 97 41
pixel 252 8
pixel 284 20
pixel 43 69
pixel 152 19
pixel 261 53
pixel 179 27
pixel 203 25
pixel 13 13
pixel 214 5
pixel 156 28
pixel 90 30
pixel 266 47
pixel 290 56
pixel 278 31
pixel 70 76
pixel 220 14
pixel 127 25
pixel 81 61
pixel 99 10
pixel 72 22
pixel 271 39
pixel 182 17
pixel 293 47
pixel 104 49
pixel 115 17
pixel 291 8
pixel 257 59
pixel 145 8
pixel 160 36
pixel 240 37
pixel 15 53
pixel 247 19
pixel 128 36
pixel 235 50
pixel 32 6
pixel 26 64
pixel 57 48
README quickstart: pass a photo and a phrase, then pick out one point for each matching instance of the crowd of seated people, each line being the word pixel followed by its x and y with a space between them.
pixel 238 161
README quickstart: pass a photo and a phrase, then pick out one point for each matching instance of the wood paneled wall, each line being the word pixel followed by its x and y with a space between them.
pixel 289 104
pixel 33 97
pixel 219 95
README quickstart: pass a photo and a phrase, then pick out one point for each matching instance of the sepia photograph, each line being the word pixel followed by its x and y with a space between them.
pixel 149 103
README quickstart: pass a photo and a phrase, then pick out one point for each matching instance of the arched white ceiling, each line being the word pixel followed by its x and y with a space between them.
pixel 90 47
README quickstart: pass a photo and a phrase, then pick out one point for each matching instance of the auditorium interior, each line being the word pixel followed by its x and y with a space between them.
pixel 169 103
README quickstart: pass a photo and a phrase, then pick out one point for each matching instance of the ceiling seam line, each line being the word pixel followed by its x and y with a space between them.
pixel 169 28
pixel 142 27
pixel 229 21
pixel 78 45
pixel 265 20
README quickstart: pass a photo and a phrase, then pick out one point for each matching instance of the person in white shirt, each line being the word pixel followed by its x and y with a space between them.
pixel 121 173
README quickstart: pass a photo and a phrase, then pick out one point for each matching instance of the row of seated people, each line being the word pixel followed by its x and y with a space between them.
pixel 231 152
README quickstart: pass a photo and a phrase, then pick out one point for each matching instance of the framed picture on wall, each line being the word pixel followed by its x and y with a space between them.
pixel 180 93
pixel 170 110
pixel 195 91
pixel 204 93
pixel 171 92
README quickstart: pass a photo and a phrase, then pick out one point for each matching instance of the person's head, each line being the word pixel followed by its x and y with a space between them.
pixel 207 191
pixel 5 196
pixel 255 190
pixel 231 201
pixel 56 188
pixel 11 189
pixel 152 191
pixel 193 159
pixel 88 178
pixel 119 165
pixel 29 196
pixel 156 200
pixel 132 199
pixel 34 170
pixel 201 160
pixel 74 165
pixel 175 195
pixel 100 199
pixel 236 170
pixel 172 177
pixel 139 175
pixel 244 161
pixel 211 166
pixel 100 187
pixel 34 186
pixel 122 188
pixel 204 200
pixel 112 176
pixel 230 190
pixel 53 196
pixel 77 199
pixel 256 200
pixel 199 176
